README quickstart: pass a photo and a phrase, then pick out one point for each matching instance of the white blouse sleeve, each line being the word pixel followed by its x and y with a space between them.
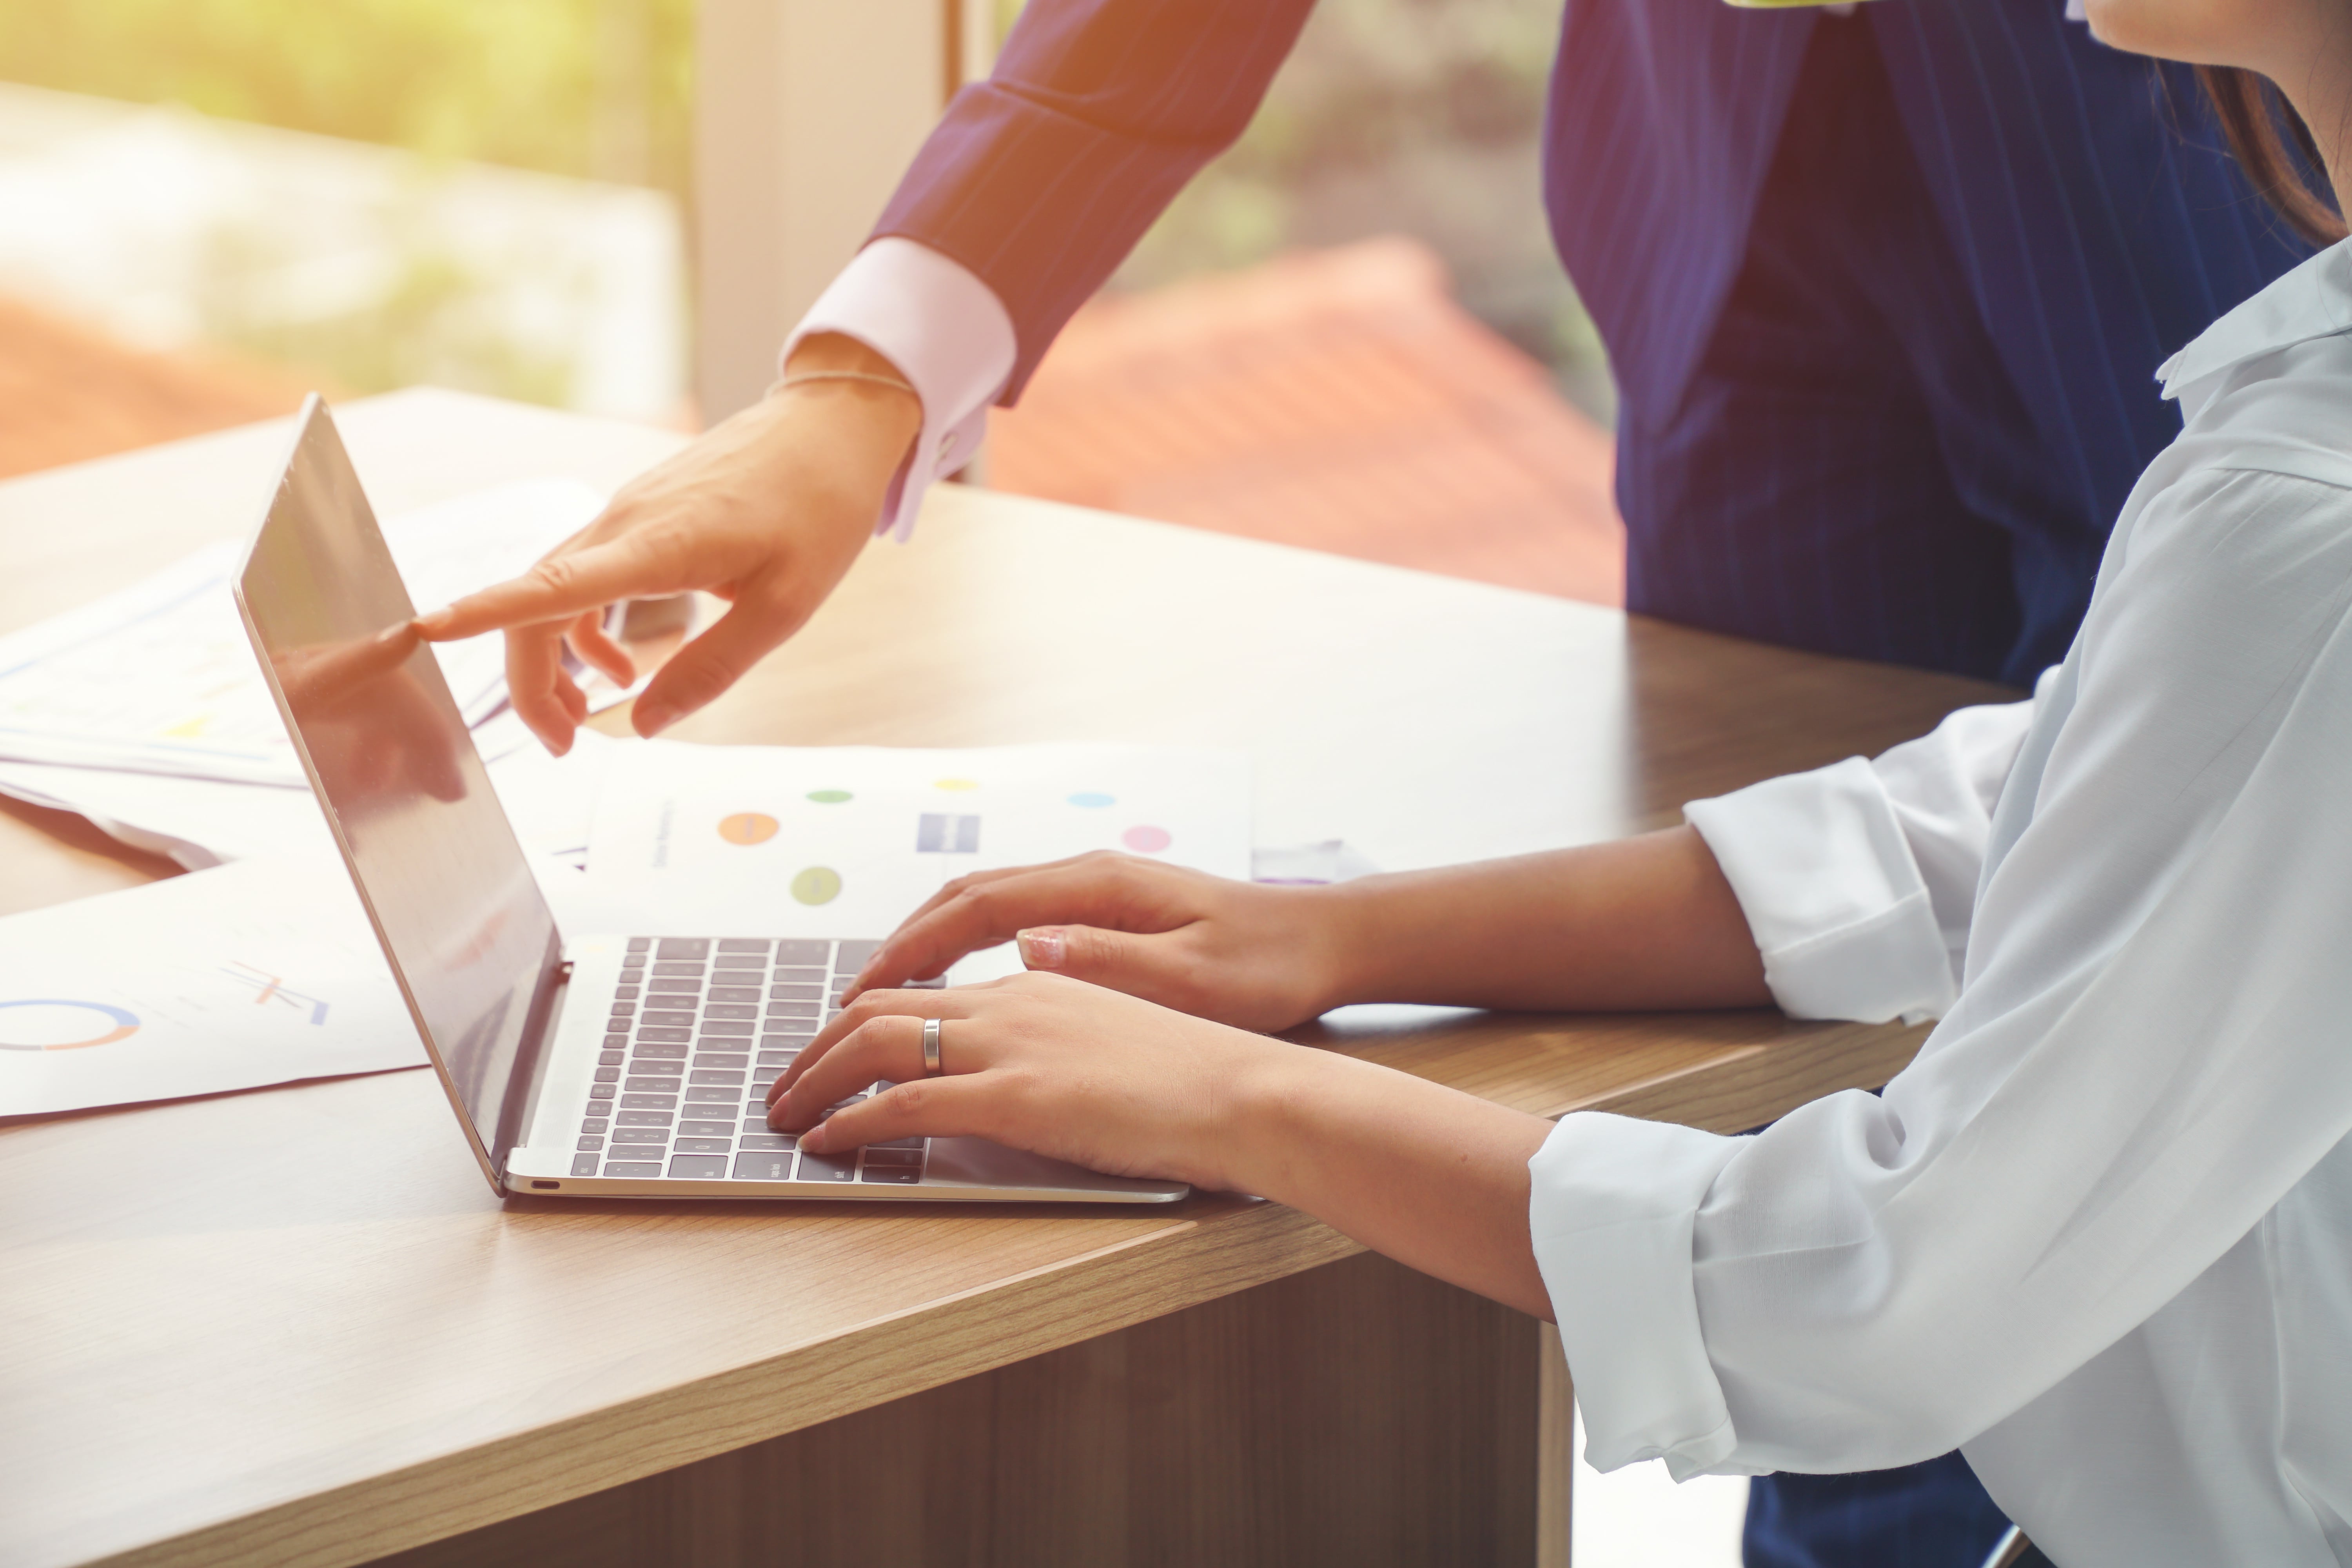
pixel 2148 1052
pixel 1859 879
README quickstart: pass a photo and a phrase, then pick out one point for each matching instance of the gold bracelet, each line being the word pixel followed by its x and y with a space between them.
pixel 802 377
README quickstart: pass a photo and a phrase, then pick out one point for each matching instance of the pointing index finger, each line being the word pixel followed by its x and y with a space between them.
pixel 560 588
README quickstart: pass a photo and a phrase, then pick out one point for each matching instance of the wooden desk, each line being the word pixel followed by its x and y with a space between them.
pixel 214 1356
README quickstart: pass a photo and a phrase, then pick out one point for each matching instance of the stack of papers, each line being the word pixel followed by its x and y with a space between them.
pixel 146 711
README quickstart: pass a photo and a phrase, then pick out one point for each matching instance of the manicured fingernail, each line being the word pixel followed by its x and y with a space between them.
pixel 813 1138
pixel 1041 948
pixel 438 621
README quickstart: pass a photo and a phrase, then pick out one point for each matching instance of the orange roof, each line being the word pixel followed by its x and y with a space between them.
pixel 1339 400
pixel 69 392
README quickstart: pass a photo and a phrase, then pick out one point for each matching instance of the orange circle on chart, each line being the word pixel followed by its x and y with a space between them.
pixel 747 827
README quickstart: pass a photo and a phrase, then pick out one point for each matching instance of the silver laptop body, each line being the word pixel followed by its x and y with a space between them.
pixel 592 1066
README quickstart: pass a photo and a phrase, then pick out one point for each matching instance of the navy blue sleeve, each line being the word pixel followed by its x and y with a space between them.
pixel 1041 179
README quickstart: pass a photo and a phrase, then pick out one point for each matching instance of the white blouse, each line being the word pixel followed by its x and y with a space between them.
pixel 2099 1235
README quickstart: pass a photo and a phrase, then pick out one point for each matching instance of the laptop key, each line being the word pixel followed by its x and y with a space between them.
pixel 608 1059
pixel 648 1084
pixel 893 1175
pixel 764 1165
pixel 661 1050
pixel 701 1146
pixel 589 1143
pixel 829 1167
pixel 852 955
pixel 899 1143
pixel 614 1041
pixel 706 1128
pixel 597 1123
pixel 641 1135
pixel 704 1166
pixel 682 947
pixel 664 1017
pixel 745 944
pixel 665 1036
pixel 784 976
pixel 625 993
pixel 717 1009
pixel 802 951
pixel 663 988
pixel 777 1058
pixel 729 1026
pixel 602 1092
pixel 764 1139
pixel 794 1009
pixel 649 1102
pixel 640 943
pixel 645 1119
pixel 584 1164
pixel 610 1074
pixel 902 1159
pixel 624 1009
pixel 632 1167
pixel 735 994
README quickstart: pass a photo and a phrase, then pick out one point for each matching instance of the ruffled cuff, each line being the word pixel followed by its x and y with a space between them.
pixel 1612 1203
pixel 949 335
pixel 1833 895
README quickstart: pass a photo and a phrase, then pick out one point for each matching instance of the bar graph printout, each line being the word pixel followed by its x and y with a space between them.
pixel 849 840
pixel 159 678
pixel 259 973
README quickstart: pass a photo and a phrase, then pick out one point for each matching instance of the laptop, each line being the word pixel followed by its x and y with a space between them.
pixel 587 1065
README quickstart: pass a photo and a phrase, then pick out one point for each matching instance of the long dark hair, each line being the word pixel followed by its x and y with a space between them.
pixel 2260 124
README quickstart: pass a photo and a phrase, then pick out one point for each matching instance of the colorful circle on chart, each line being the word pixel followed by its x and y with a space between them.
pixel 1146 840
pixel 817 885
pixel 1093 798
pixel 747 827
pixel 955 783
pixel 68 1021
pixel 829 796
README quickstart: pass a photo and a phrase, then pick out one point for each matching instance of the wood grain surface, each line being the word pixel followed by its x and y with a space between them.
pixel 293 1326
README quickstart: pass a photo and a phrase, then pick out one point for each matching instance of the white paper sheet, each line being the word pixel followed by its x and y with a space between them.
pixel 265 972
pixel 201 823
pixel 847 841
pixel 160 677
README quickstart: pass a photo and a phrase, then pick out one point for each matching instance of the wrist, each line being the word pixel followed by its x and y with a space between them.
pixel 1264 1093
pixel 856 382
pixel 1356 956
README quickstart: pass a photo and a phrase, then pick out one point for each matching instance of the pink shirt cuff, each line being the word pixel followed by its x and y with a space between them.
pixel 949 335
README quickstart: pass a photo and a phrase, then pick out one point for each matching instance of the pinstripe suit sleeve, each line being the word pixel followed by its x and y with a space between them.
pixel 1041 179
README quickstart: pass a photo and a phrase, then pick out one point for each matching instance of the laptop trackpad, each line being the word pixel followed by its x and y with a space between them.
pixel 977 1163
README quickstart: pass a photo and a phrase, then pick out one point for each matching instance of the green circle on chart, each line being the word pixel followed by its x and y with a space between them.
pixel 817 885
pixel 829 796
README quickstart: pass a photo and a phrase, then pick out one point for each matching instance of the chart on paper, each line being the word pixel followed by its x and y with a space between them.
pixel 850 840
pixel 259 973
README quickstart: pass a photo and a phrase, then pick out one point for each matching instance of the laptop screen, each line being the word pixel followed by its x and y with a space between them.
pixel 470 939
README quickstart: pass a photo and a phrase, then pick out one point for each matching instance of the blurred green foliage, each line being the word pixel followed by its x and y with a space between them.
pixel 599 88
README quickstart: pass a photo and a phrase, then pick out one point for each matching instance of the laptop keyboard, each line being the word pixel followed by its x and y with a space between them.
pixel 699 1027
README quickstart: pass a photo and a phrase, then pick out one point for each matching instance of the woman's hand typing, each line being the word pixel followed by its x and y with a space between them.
pixel 1236 952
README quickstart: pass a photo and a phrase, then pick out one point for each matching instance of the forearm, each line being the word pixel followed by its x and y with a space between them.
pixel 1431 1177
pixel 1642 923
